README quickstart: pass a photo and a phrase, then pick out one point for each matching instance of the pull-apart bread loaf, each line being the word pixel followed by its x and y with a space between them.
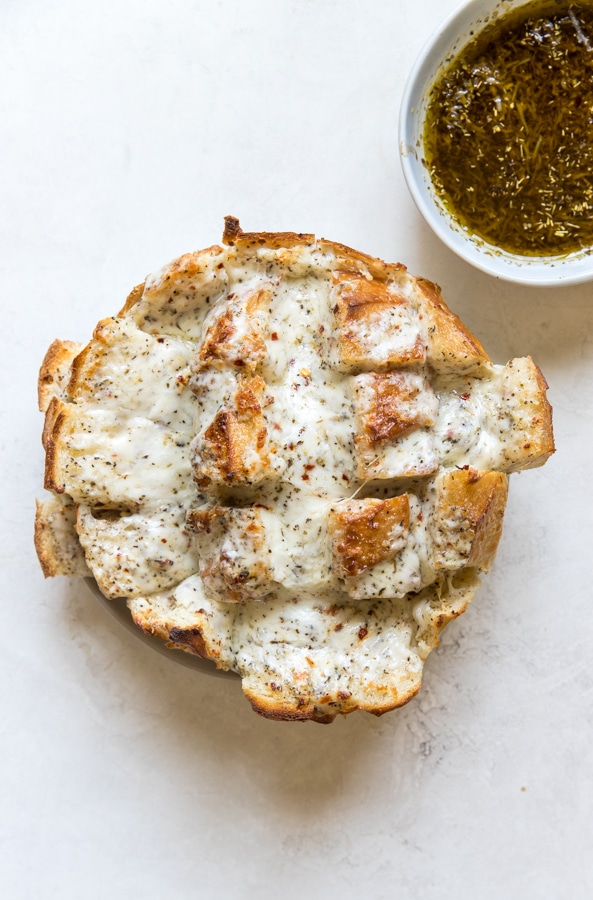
pixel 289 458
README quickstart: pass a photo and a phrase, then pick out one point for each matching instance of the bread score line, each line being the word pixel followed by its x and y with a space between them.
pixel 290 458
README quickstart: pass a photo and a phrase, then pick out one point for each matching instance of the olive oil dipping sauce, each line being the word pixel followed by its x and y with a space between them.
pixel 508 134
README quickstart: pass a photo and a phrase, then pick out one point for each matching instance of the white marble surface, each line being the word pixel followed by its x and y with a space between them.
pixel 129 129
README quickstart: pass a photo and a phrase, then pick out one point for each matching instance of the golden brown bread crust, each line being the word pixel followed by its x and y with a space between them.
pixel 362 532
pixel 452 347
pixel 225 341
pixel 267 705
pixel 233 449
pixel 132 299
pixel 531 414
pixel 85 362
pixel 55 421
pixel 473 503
pixel 234 236
pixel 189 639
pixel 56 542
pixel 55 371
pixel 391 411
pixel 350 260
pixel 365 312
pixel 542 422
pixel 346 258
pixel 51 414
pixel 237 576
pixel 390 407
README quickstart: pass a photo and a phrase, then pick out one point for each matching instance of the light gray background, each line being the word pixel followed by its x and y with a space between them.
pixel 128 130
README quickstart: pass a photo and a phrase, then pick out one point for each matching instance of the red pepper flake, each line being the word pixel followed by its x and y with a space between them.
pixel 305 477
pixel 465 396
pixel 344 695
pixel 309 466
pixel 321 329
pixel 239 362
pixel 362 633
pixel 274 335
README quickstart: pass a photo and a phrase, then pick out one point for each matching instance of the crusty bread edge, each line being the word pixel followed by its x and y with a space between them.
pixel 59 355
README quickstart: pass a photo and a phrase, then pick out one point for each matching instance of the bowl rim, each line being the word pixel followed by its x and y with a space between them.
pixel 448 38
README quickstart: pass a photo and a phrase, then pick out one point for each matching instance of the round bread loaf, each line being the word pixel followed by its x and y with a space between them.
pixel 290 458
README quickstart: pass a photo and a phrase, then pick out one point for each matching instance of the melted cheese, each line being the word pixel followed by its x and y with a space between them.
pixel 262 354
pixel 137 554
pixel 125 369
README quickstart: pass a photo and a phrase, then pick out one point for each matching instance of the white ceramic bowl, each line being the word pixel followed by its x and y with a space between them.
pixel 447 41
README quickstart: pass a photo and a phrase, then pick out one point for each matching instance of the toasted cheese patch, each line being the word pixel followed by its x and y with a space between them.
pixel 233 448
pixel 395 412
pixel 235 333
pixel 231 545
pixel 376 325
pixel 365 532
pixel 289 550
pixel 406 569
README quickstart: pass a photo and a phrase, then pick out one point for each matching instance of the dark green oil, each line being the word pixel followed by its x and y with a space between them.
pixel 508 135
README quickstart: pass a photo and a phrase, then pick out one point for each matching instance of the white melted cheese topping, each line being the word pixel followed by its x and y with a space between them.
pixel 126 459
pixel 124 450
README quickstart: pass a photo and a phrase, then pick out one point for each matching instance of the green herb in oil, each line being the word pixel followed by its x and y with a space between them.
pixel 509 131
